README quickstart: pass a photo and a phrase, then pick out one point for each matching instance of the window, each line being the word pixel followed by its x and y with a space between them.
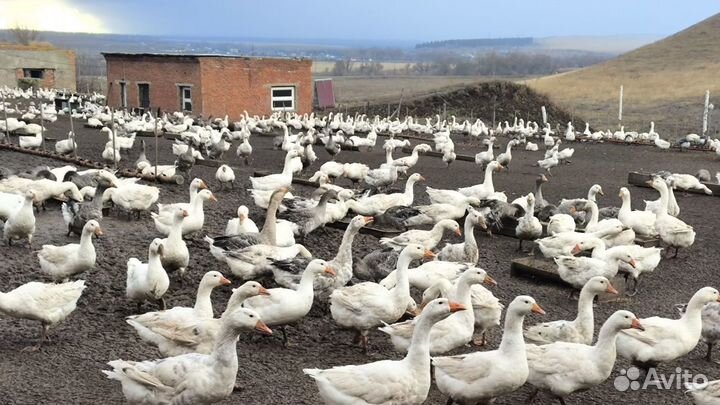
pixel 185 98
pixel 123 94
pixel 33 73
pixel 144 95
pixel 282 98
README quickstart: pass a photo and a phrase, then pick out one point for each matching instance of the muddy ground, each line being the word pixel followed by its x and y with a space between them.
pixel 68 370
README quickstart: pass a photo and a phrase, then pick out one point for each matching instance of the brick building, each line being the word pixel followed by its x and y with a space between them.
pixel 209 84
pixel 37 65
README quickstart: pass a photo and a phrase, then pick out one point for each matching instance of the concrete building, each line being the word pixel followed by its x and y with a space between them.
pixel 41 65
pixel 209 84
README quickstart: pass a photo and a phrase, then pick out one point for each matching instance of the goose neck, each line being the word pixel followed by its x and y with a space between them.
pixel 585 317
pixel 418 355
pixel 203 304
pixel 512 334
pixel 344 253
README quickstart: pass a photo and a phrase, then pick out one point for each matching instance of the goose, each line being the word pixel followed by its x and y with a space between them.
pixel 192 378
pixel 310 218
pixel 484 376
pixel 704 393
pixel 450 197
pixel 224 175
pixel 383 176
pixel 433 213
pixel 710 316
pixel 276 181
pixel 268 235
pixel 48 304
pixel 378 203
pixel 283 306
pixel 255 260
pixel 195 186
pixel 65 146
pixel 9 203
pixel 76 215
pixel 452 332
pixel 333 169
pixel 409 161
pixel 483 158
pixel 672 231
pixel 528 227
pixel 661 143
pixel 427 276
pixel 467 251
pixel 486 188
pixel 20 224
pixel 690 182
pixel 405 381
pixel 355 172
pixel 654 206
pixel 562 368
pixel 190 224
pixel 245 149
pixel 577 271
pixel 32 142
pixel 530 146
pixel 642 222
pixel 241 224
pixel 61 262
pixel 506 157
pixel 427 239
pixel 666 339
pixel 43 188
pixel 142 159
pixel 580 329
pixel 147 281
pixel 175 252
pixel 560 223
pixel 134 197
pixel 367 305
pixel 563 243
pixel 549 163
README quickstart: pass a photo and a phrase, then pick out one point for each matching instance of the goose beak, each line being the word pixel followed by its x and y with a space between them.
pixel 242 217
pixel 422 178
pixel 263 291
pixel 262 328
pixel 202 185
pixel 224 281
pixel 458 232
pixel 572 210
pixel 489 281
pixel 414 312
pixel 636 325
pixel 601 193
pixel 185 213
pixel 368 220
pixel 455 307
pixel 536 309
pixel 649 182
pixel 610 289
pixel 632 263
pixel 575 250
pixel 213 198
pixel 428 255
pixel 98 231
pixel 329 271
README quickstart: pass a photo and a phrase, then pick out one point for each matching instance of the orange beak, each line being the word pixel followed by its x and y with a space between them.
pixel 422 178
pixel 632 263
pixel 224 281
pixel 576 249
pixel 536 309
pixel 262 328
pixel 454 306
pixel 212 198
pixel 263 291
pixel 573 210
pixel 414 312
pixel 610 289
pixel 98 231
pixel 368 220
pixel 428 255
pixel 329 271
pixel 185 213
pixel 458 232
pixel 489 281
pixel 500 168
pixel 636 325
pixel 242 217
pixel 202 185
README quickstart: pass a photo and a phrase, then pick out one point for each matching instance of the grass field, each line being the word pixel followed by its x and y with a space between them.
pixel 663 82
pixel 325 67
pixel 354 90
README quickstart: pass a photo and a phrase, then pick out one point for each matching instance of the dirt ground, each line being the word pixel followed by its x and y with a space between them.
pixel 68 370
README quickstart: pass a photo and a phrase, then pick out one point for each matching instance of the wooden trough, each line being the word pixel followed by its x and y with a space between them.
pixel 368 230
pixel 640 179
pixel 466 158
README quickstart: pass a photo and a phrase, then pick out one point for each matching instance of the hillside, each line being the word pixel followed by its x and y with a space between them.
pixel 664 81
pixel 477 101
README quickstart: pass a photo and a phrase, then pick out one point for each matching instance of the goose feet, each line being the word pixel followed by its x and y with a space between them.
pixel 43 338
pixel 480 340
pixel 708 356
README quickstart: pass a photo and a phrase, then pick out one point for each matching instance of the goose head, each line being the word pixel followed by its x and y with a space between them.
pixel 624 320
pixel 415 177
pixel 439 309
pixel 179 214
pixel 657 183
pixel 92 227
pixel 596 189
pixel 624 193
pixel 242 213
pixel 704 296
pixel 156 248
pixel 207 195
pixel 525 305
pixel 30 196
pixel 344 195
pixel 214 279
pixel 599 284
pixel 250 289
pixel 476 275
pixel 320 267
pixel 246 319
pixel 541 179
pixel 495 166
pixel 451 225
pixel 415 251
pixel 360 221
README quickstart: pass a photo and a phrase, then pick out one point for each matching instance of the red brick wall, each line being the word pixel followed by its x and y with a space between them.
pixel 232 85
pixel 48 80
pixel 163 73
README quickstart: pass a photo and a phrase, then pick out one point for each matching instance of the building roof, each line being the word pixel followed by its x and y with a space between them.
pixel 193 55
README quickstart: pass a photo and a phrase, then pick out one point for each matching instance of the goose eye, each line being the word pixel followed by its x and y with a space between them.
pixel 253 316
pixel 627 317
pixel 527 302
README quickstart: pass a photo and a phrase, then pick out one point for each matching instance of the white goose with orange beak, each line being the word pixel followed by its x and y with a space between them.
pixel 61 262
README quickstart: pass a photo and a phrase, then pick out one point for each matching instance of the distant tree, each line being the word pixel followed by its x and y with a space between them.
pixel 343 67
pixel 23 35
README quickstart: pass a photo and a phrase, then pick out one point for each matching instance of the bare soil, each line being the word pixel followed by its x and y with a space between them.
pixel 68 370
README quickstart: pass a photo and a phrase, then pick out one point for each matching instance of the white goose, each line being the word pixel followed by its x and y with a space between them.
pixel 190 224
pixel 484 376
pixel 387 382
pixel 672 231
pixel 176 255
pixel 642 222
pixel 580 329
pixel 20 224
pixel 193 378
pixel 487 188
pixel 241 224
pixel 378 203
pixel 49 304
pixel 61 262
pixel 195 186
pixel 577 271
pixel 467 251
pixel 147 281
pixel 427 239
pixel 367 305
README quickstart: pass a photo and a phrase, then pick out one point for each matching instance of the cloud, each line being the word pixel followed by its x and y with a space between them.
pixel 48 15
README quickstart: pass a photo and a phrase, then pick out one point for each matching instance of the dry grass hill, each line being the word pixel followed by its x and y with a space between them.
pixel 663 82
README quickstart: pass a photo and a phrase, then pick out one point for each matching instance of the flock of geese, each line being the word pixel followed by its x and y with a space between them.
pixel 199 362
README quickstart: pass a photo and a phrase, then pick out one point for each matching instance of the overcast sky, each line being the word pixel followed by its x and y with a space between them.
pixel 407 20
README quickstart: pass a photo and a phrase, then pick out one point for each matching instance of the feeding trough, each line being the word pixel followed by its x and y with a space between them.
pixel 641 179
pixel 466 158
pixel 368 230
